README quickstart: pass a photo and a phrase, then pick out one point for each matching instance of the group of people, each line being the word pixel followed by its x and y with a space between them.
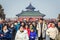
pixel 30 30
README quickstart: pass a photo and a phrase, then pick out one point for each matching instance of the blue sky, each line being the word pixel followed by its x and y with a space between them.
pixel 51 8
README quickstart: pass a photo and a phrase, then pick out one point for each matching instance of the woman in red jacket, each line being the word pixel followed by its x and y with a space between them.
pixel 27 29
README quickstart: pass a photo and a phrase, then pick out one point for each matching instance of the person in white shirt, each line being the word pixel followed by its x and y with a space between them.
pixel 52 32
pixel 21 34
pixel 41 29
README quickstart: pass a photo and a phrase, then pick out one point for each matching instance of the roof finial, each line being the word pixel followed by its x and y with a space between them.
pixel 30 7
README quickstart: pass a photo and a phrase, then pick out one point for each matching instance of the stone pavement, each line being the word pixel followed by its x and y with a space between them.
pixel 47 38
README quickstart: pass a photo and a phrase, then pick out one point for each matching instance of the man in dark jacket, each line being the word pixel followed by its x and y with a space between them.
pixel 1 26
pixel 12 32
pixel 58 27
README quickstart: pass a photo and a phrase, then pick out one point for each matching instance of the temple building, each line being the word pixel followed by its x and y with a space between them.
pixel 30 14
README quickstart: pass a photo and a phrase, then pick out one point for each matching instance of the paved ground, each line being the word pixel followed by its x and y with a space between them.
pixel 47 38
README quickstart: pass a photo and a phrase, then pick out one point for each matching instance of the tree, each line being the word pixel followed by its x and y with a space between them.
pixel 2 15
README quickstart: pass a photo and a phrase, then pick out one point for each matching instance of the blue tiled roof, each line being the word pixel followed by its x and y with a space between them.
pixel 30 7
pixel 30 13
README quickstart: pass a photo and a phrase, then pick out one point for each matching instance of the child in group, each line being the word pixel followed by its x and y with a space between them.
pixel 52 32
pixel 32 34
pixel 31 26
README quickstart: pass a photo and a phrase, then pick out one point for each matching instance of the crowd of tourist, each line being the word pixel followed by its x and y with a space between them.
pixel 30 30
